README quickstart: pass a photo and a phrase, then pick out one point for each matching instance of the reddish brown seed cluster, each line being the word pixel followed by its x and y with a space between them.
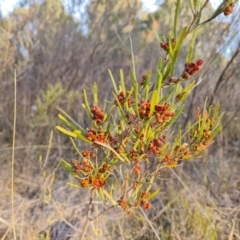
pixel 99 136
pixel 98 182
pixel 144 106
pixel 144 78
pixel 85 182
pixel 123 98
pixel 181 152
pixel 162 113
pixel 156 144
pixel 165 45
pixel 84 166
pixel 130 117
pixel 137 168
pixel 98 114
pixel 144 200
pixel 133 155
pixel 229 9
pixel 124 205
pixel 77 166
pixel 192 68
pixel 199 147
pixel 167 159
pixel 197 137
pixel 87 153
pixel 207 134
pixel 104 168
pixel 112 139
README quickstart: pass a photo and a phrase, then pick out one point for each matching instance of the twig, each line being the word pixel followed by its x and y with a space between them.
pixel 88 215
pixel 195 17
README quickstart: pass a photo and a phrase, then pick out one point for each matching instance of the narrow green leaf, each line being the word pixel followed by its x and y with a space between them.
pixel 176 18
pixel 109 197
pixel 150 184
pixel 216 110
pixel 191 47
pixel 95 93
pixel 72 120
pixel 156 95
pixel 133 61
pixel 113 81
pixel 154 194
pixel 75 147
pixel 216 131
pixel 101 194
pixel 63 119
pixel 69 133
pixel 86 105
pixel 135 91
pixel 179 43
pixel 122 81
pixel 73 185
pixel 217 123
pixel 81 137
pixel 67 167
pixel 111 149
pixel 171 47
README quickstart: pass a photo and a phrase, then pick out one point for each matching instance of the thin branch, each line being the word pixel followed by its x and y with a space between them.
pixel 88 220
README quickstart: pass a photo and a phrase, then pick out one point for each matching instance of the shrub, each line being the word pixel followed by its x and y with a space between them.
pixel 130 140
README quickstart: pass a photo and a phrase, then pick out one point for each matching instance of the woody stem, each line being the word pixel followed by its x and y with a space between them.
pixel 88 220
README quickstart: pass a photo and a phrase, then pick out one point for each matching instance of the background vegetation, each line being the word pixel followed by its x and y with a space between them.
pixel 57 48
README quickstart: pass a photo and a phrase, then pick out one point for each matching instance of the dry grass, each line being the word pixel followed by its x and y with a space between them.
pixel 204 205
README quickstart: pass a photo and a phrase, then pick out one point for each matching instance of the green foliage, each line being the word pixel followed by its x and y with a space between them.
pixel 134 137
